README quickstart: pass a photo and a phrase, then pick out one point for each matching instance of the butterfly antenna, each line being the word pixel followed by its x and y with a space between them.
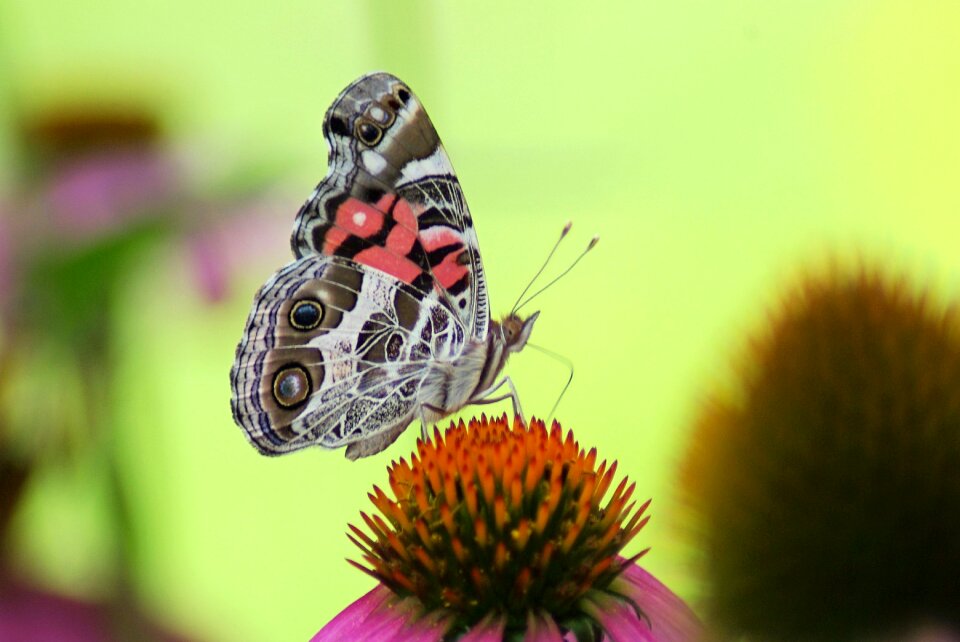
pixel 590 246
pixel 566 229
pixel 562 359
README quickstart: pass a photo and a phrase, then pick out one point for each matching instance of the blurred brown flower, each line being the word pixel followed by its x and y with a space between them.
pixel 827 479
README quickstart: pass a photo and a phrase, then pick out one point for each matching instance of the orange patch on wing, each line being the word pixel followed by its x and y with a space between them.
pixel 386 261
pixel 359 218
pixel 404 215
pixel 448 271
pixel 333 239
pixel 404 233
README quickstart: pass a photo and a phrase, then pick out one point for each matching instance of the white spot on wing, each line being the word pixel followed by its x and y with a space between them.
pixel 359 218
pixel 373 161
pixel 435 163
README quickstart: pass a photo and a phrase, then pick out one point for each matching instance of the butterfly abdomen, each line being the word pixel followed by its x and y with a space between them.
pixel 451 384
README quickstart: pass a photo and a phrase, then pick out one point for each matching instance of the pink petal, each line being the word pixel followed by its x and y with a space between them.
pixel 354 616
pixel 618 619
pixel 676 620
pixel 429 627
pixel 489 629
pixel 382 616
pixel 542 628
pixel 671 620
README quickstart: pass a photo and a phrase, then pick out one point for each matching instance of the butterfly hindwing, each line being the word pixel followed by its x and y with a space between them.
pixel 333 353
pixel 392 201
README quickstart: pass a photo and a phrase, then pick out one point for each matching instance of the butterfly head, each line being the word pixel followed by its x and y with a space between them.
pixel 516 331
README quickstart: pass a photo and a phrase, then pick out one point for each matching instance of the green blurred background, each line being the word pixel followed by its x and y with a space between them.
pixel 716 147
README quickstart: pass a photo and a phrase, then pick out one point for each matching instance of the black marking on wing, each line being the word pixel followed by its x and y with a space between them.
pixel 436 256
pixel 459 286
pixel 433 216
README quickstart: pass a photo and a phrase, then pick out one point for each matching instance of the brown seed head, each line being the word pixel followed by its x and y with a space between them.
pixel 828 481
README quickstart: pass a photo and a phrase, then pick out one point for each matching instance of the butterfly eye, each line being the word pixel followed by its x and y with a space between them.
pixel 291 386
pixel 306 314
pixel 368 133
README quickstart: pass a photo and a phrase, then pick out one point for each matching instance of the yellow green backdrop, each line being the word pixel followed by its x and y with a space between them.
pixel 715 147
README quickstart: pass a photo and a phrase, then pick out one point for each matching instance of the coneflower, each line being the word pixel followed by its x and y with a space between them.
pixel 503 531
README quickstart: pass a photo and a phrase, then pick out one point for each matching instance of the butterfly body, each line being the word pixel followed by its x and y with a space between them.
pixel 382 318
pixel 472 376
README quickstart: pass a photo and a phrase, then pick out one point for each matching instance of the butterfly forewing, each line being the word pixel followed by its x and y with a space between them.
pixel 392 201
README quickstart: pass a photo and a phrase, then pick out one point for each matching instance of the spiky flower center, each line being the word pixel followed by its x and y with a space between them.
pixel 501 518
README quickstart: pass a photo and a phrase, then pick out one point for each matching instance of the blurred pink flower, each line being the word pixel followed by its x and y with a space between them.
pixel 227 246
pixel 30 613
pixel 97 194
pixel 110 194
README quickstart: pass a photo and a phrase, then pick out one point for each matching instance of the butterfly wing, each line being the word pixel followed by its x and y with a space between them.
pixel 334 353
pixel 392 201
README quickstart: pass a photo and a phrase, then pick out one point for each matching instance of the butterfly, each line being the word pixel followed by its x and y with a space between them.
pixel 383 317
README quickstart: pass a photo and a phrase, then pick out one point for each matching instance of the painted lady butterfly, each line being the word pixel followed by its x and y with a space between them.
pixel 382 318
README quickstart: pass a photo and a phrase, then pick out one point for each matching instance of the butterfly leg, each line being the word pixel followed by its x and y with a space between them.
pixel 423 426
pixel 485 398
